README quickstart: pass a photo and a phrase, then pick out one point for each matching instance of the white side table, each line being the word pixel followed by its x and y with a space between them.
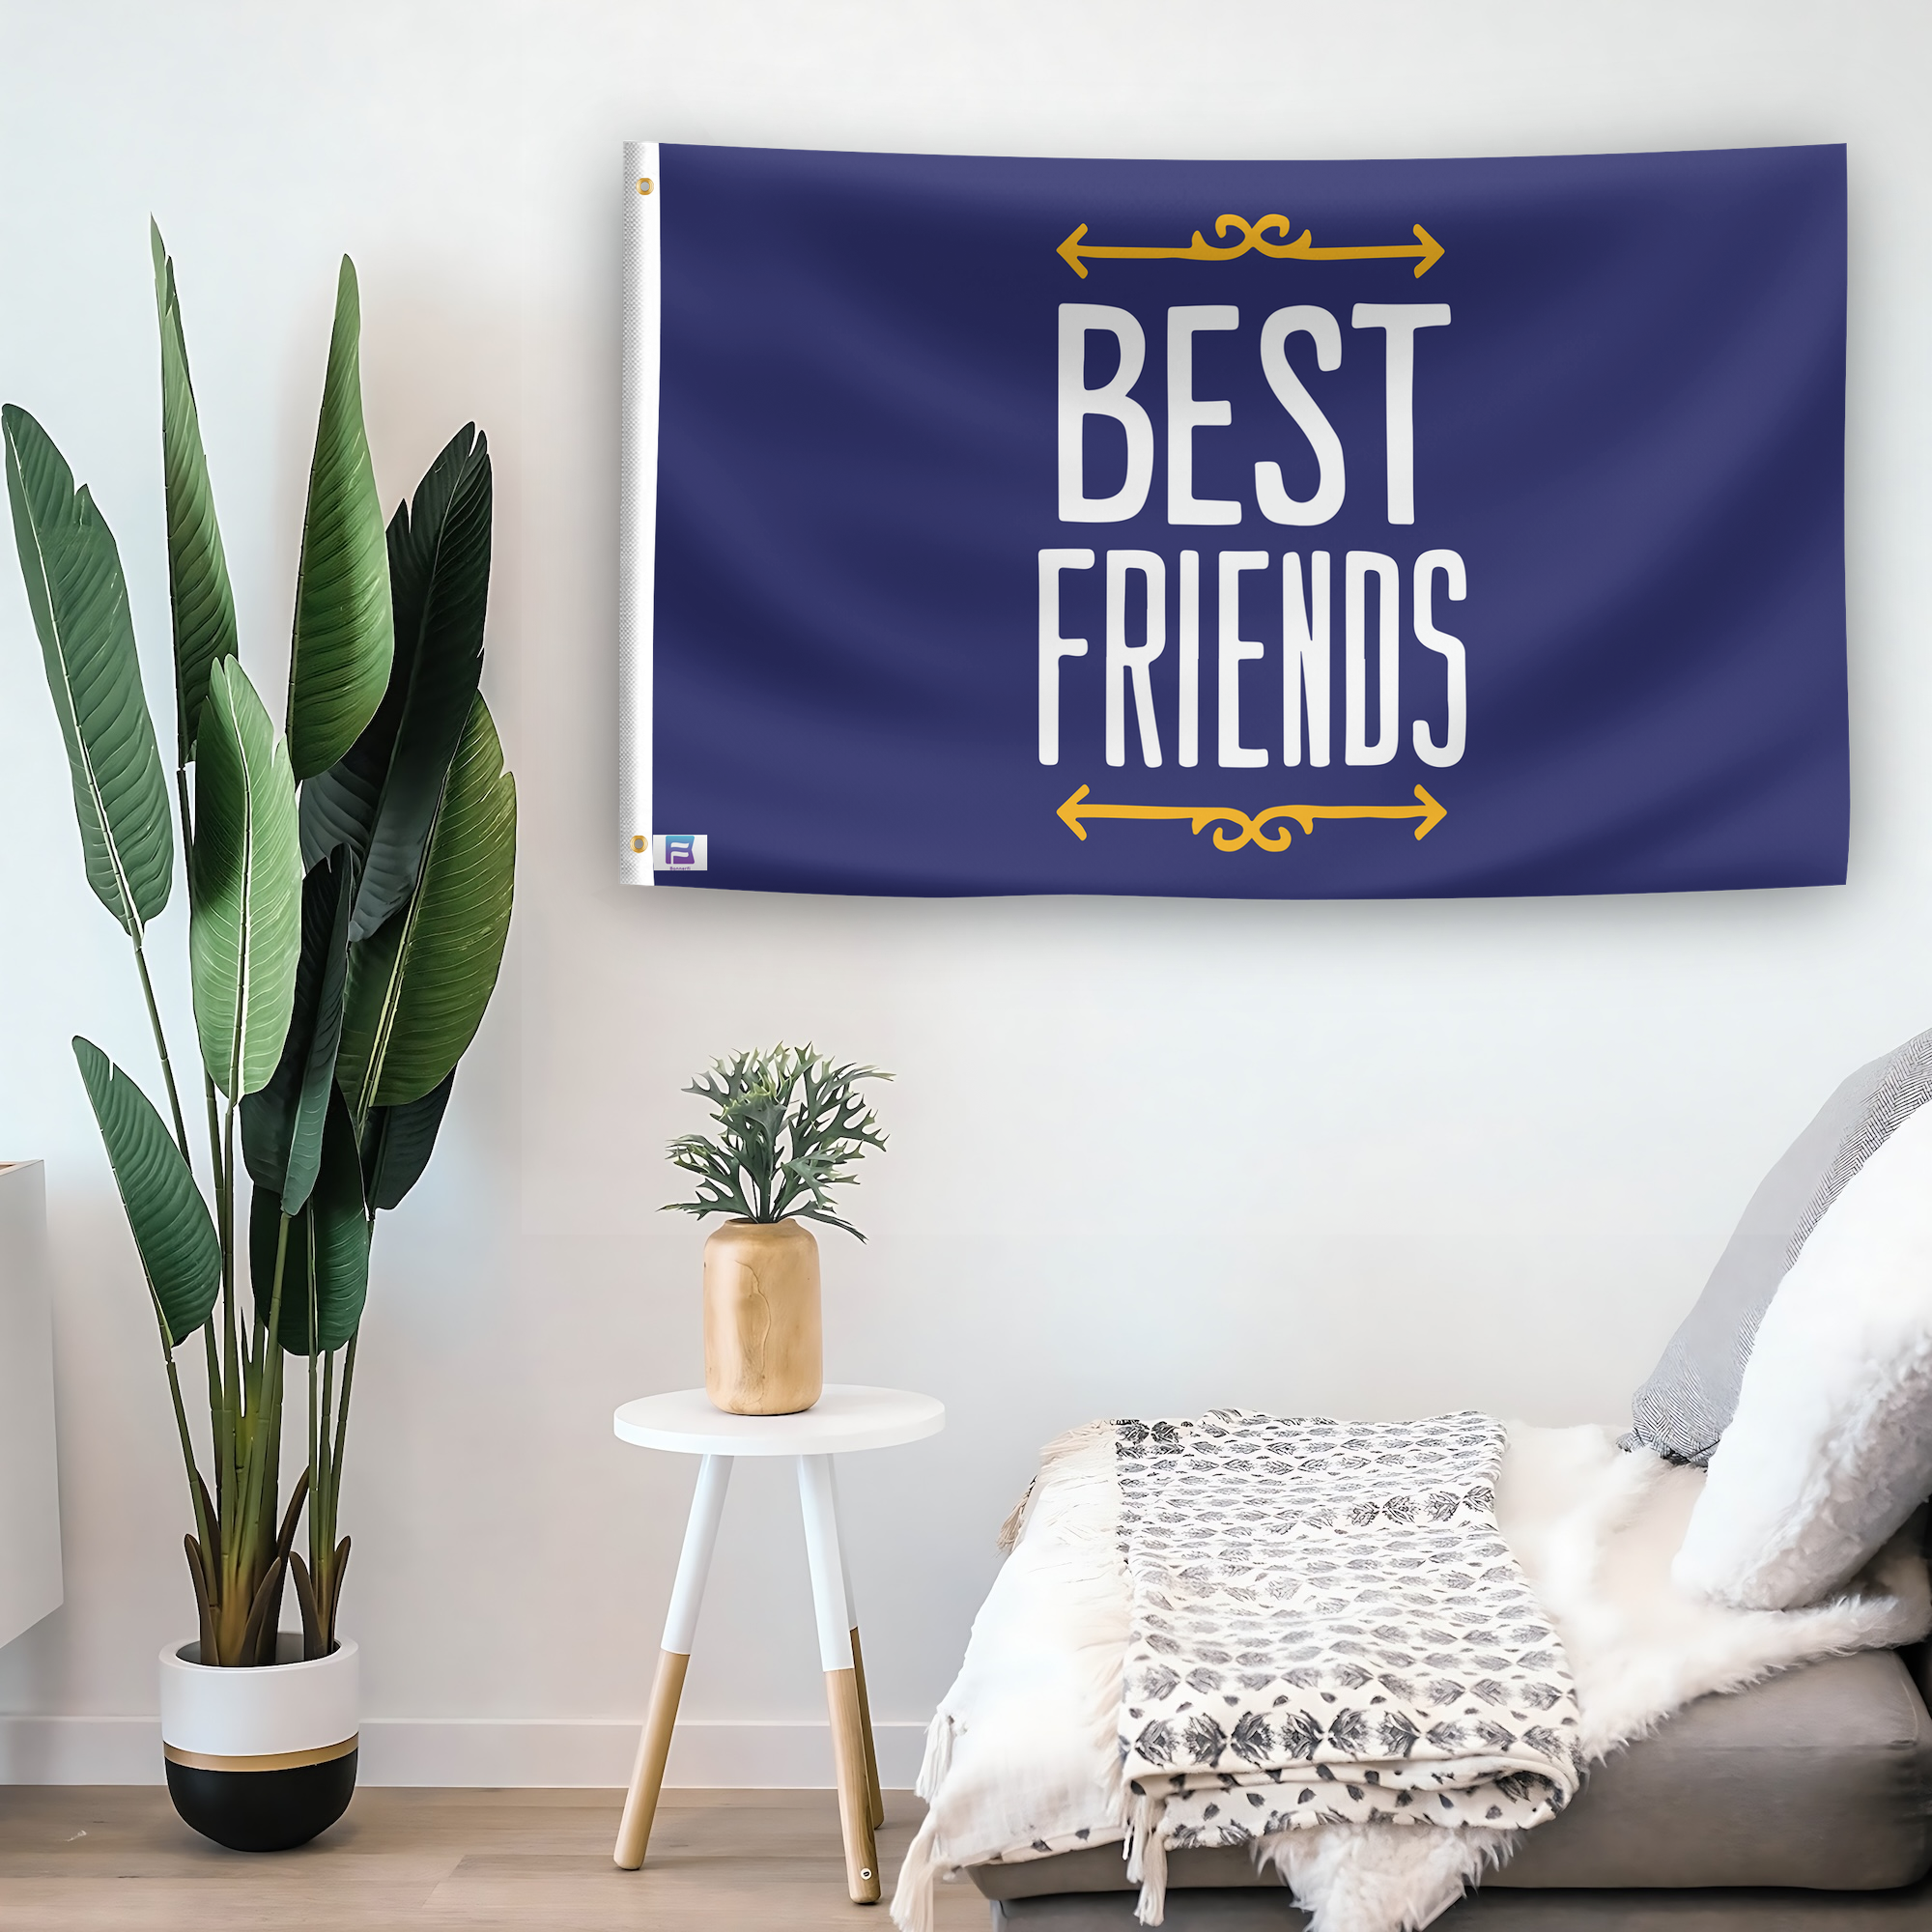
pixel 844 1419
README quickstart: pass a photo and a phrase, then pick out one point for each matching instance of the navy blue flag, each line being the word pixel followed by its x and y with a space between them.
pixel 1258 529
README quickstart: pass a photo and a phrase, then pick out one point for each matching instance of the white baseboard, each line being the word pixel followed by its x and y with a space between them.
pixel 480 1752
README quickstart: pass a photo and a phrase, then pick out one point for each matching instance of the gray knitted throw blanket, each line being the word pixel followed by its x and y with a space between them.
pixel 1327 1627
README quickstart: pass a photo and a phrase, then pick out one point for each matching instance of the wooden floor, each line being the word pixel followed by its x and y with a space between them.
pixel 77 1859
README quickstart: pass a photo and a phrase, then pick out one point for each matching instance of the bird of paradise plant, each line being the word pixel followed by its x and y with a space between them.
pixel 349 883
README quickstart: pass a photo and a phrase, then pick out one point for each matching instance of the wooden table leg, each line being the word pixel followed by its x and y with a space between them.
pixel 875 1797
pixel 693 1564
pixel 878 1802
pixel 841 1681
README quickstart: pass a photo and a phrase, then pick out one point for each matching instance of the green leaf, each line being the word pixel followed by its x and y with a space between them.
pixel 198 591
pixel 344 637
pixel 418 987
pixel 80 601
pixel 326 1261
pixel 792 1126
pixel 338 806
pixel 397 1143
pixel 281 1125
pixel 244 887
pixel 381 797
pixel 176 1239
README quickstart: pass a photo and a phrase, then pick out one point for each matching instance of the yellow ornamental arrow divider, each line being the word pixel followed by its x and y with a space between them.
pixel 1254 830
pixel 1425 249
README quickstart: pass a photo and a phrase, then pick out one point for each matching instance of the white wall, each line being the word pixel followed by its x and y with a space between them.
pixel 1372 1160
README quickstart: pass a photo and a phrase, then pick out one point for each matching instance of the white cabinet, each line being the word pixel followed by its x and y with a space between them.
pixel 30 1553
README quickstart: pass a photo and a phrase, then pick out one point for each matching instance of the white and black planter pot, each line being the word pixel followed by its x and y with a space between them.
pixel 260 1760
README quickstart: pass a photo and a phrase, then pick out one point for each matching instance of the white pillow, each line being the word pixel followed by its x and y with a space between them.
pixel 1830 1448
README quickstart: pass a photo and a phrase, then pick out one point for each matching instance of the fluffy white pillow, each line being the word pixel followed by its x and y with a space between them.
pixel 1830 1448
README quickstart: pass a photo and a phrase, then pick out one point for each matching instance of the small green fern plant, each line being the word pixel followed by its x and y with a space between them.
pixel 791 1127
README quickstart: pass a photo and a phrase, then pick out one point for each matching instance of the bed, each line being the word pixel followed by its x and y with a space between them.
pixel 1785 1752
pixel 1672 1677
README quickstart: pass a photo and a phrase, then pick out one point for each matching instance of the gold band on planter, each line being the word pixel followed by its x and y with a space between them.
pixel 267 1761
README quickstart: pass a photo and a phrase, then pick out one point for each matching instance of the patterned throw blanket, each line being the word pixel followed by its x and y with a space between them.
pixel 1327 1627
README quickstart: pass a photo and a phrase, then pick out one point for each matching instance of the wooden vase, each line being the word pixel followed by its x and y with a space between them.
pixel 765 1348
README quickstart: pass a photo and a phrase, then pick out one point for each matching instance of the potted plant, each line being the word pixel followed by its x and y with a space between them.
pixel 349 897
pixel 791 1127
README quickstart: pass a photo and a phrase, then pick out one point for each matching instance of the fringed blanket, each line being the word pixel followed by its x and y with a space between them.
pixel 1325 1627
